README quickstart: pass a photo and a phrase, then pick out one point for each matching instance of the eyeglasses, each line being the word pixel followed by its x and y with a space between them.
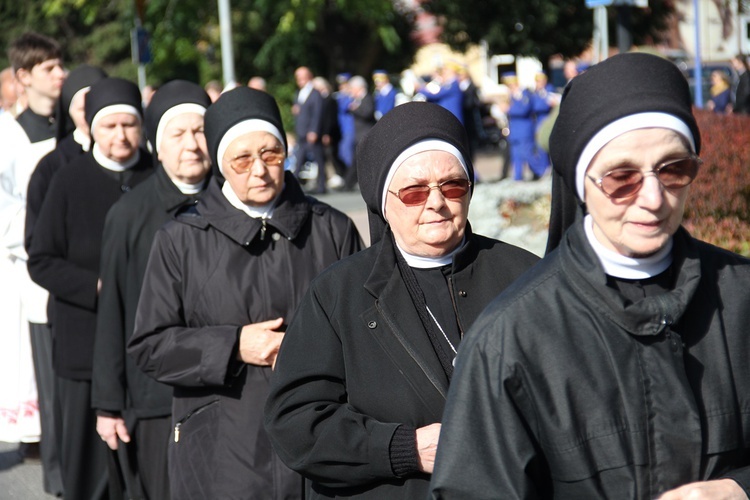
pixel 417 194
pixel 626 182
pixel 272 157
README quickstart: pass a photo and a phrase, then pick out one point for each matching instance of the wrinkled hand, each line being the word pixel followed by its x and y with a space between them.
pixel 111 428
pixel 427 443
pixel 259 342
pixel 718 489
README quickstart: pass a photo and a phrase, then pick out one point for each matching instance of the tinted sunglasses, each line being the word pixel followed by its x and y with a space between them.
pixel 269 157
pixel 417 194
pixel 626 182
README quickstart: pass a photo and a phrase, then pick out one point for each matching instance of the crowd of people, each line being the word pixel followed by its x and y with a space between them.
pixel 183 319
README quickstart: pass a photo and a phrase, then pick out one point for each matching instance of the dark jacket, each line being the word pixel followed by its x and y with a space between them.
pixel 118 384
pixel 356 363
pixel 212 271
pixel 563 389
pixel 66 250
pixel 39 182
pixel 310 116
pixel 364 116
pixel 742 95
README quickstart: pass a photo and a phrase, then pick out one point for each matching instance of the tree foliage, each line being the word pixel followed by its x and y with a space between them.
pixel 271 37
pixel 538 28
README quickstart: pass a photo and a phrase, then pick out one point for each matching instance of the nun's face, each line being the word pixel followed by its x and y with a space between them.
pixel 260 183
pixel 436 227
pixel 642 224
pixel 118 136
pixel 183 150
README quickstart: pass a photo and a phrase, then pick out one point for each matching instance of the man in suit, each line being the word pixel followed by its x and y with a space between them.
pixel 308 111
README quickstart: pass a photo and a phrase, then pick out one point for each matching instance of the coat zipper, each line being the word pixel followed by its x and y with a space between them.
pixel 190 414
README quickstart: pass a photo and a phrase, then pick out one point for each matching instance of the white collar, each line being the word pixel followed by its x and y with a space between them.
pixel 631 268
pixel 420 262
pixel 256 212
pixel 189 189
pixel 113 165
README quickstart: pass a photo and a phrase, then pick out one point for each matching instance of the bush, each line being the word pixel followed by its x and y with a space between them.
pixel 718 207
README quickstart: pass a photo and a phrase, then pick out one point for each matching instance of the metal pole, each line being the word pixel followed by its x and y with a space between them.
pixel 604 26
pixel 136 49
pixel 227 52
pixel 697 60
pixel 596 41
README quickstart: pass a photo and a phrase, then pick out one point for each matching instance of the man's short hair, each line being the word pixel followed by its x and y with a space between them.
pixel 31 49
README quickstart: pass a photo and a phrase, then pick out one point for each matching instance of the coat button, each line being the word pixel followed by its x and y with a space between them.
pixel 247 244
pixel 276 236
pixel 462 293
pixel 372 324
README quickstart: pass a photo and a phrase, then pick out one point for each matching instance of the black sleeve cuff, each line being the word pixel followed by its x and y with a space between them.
pixel 403 451
pixel 235 364
pixel 742 477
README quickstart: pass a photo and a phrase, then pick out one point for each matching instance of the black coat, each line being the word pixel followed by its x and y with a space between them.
pixel 66 250
pixel 564 389
pixel 212 271
pixel 118 384
pixel 364 116
pixel 41 179
pixel 356 363
pixel 742 95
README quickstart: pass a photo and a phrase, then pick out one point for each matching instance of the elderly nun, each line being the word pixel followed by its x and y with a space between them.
pixel 361 379
pixel 222 282
pixel 64 259
pixel 617 367
pixel 131 406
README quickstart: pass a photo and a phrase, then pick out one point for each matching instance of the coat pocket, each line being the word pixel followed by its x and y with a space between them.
pixel 192 452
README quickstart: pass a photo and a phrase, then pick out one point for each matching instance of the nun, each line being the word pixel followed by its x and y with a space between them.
pixel 222 282
pixel 618 366
pixel 131 406
pixel 64 259
pixel 360 382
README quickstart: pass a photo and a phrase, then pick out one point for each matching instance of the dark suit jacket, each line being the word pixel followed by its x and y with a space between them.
pixel 310 117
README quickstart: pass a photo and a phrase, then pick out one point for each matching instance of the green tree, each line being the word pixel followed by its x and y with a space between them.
pixel 539 28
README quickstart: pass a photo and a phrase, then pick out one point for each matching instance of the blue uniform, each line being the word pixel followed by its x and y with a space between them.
pixel 521 138
pixel 541 109
pixel 346 125
pixel 384 102
pixel 450 97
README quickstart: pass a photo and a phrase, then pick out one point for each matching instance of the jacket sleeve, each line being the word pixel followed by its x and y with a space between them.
pixel 483 425
pixel 742 477
pixel 48 264
pixel 163 344
pixel 313 429
pixel 108 380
